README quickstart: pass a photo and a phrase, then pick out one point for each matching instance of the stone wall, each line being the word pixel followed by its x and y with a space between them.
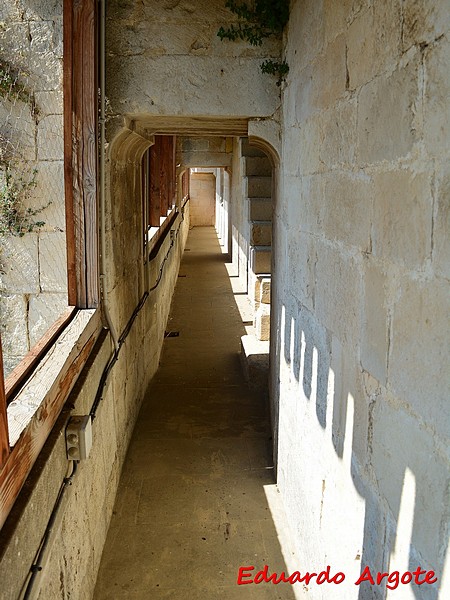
pixel 82 524
pixel 362 292
pixel 33 280
pixel 203 199
pixel 164 58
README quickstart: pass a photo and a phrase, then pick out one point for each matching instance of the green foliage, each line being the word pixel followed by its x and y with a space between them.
pixel 280 69
pixel 15 219
pixel 12 89
pixel 261 20
pixel 268 17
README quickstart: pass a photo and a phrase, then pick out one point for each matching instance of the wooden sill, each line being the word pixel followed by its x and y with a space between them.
pixel 34 410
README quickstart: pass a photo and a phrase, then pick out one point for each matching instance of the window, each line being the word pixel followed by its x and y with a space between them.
pixel 158 187
pixel 32 415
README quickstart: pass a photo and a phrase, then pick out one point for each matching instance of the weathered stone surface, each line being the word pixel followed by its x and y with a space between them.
pixel 436 94
pixel 49 103
pixel 44 309
pixel 265 290
pixel 260 259
pixel 375 322
pixel 50 139
pixel 261 233
pixel 20 264
pixel 14 328
pixel 52 262
pixel 338 292
pixel 338 134
pixel 386 115
pixel 402 217
pixel 262 322
pixel 423 21
pixel 419 335
pixel 345 209
pixel 441 238
pixel 374 39
pixel 400 444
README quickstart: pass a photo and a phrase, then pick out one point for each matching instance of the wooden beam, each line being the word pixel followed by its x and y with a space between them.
pixel 173 174
pixel 68 161
pixel 80 147
pixel 4 438
pixel 155 183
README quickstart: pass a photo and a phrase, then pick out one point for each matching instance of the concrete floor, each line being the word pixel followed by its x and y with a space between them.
pixel 194 500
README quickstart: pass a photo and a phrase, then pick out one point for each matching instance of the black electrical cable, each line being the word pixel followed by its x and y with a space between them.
pixel 127 329
pixel 36 567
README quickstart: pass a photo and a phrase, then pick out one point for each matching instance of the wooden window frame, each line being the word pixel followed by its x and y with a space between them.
pixel 78 330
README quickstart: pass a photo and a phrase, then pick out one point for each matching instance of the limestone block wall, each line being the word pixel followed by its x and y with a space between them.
pixel 82 524
pixel 362 293
pixel 203 199
pixel 33 279
pixel 164 58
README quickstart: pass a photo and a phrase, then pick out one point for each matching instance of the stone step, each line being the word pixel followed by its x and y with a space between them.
pixel 259 187
pixel 261 233
pixel 255 362
pixel 257 165
pixel 248 150
pixel 261 259
pixel 260 209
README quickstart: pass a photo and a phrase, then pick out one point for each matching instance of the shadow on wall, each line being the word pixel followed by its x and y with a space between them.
pixel 393 472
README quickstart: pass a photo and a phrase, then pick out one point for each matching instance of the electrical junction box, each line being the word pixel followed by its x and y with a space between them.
pixel 79 437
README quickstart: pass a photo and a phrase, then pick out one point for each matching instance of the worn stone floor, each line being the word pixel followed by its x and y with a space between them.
pixel 194 499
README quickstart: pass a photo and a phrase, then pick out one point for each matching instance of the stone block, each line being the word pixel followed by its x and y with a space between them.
pixel 261 233
pixel 262 322
pixel 49 103
pixel 260 259
pixel 441 238
pixel 330 74
pixel 49 193
pixel 338 293
pixel 258 166
pixel 53 262
pixel 307 143
pixel 211 88
pixel 14 328
pixel 345 208
pixel 375 322
pixel 259 187
pixel 20 264
pixel 423 22
pixel 436 109
pixel 418 370
pixel 265 290
pixel 302 259
pixel 260 209
pixel 339 130
pixel 50 139
pixel 44 310
pixel 18 131
pixel 403 217
pixel 373 42
pixel 399 444
pixel 387 126
pixel 255 362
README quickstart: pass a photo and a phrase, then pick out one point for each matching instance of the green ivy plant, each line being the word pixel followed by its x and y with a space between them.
pixel 264 18
pixel 12 89
pixel 15 219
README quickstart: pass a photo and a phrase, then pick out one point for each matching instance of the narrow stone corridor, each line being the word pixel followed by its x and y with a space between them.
pixel 192 507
